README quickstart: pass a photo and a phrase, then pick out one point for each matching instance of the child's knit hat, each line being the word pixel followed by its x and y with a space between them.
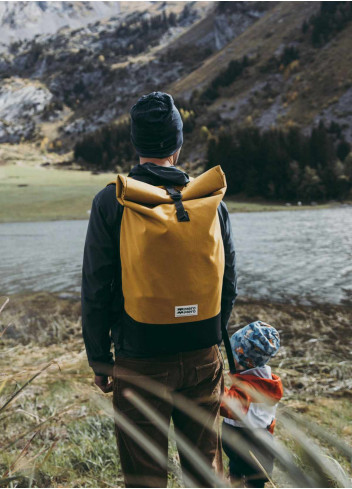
pixel 255 344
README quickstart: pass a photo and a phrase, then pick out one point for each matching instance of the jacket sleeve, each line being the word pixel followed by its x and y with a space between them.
pixel 235 394
pixel 229 287
pixel 100 263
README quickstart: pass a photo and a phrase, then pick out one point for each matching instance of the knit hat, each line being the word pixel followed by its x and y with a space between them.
pixel 255 344
pixel 156 126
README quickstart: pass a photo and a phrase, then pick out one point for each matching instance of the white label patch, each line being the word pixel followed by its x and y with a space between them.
pixel 186 311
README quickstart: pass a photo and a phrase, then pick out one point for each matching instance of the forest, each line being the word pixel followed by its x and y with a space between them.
pixel 276 164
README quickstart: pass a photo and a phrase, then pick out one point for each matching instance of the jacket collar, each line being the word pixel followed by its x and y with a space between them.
pixel 159 175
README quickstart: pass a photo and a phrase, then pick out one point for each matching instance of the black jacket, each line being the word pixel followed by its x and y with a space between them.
pixel 101 297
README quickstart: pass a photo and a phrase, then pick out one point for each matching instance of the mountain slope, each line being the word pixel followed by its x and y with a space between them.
pixel 263 37
pixel 90 76
pixel 75 81
pixel 316 85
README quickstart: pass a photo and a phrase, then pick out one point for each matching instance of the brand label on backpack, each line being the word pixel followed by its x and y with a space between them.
pixel 186 310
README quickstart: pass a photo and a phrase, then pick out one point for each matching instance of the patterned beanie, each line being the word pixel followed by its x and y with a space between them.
pixel 255 344
pixel 156 126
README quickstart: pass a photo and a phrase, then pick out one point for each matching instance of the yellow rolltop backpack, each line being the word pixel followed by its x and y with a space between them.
pixel 172 263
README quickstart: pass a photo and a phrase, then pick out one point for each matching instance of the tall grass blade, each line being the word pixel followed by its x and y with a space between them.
pixel 4 406
pixel 54 417
pixel 6 480
pixel 262 468
pixel 22 453
pixel 190 451
pixel 325 471
pixel 7 300
pixel 197 413
pixel 148 445
pixel 315 429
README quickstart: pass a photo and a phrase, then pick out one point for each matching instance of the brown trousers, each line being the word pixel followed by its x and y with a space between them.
pixel 198 376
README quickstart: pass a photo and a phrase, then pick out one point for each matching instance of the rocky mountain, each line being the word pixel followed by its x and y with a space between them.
pixel 76 80
pixel 261 63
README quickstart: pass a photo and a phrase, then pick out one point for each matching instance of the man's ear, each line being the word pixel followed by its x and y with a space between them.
pixel 175 156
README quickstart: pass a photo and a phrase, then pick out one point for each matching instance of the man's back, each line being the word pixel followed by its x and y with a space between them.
pixel 196 374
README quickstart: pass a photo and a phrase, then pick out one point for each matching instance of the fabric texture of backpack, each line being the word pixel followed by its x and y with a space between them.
pixel 172 262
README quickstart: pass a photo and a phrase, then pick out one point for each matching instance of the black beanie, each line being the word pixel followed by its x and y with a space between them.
pixel 156 126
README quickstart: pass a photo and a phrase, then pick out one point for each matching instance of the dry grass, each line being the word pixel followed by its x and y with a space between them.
pixel 56 431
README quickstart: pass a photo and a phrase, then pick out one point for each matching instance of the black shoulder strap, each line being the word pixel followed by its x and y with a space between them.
pixel 226 340
pixel 182 214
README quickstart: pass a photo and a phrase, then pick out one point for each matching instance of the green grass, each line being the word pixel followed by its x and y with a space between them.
pixel 49 194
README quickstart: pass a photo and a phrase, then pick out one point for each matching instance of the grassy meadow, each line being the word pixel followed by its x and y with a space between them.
pixel 57 433
pixel 58 190
pixel 32 192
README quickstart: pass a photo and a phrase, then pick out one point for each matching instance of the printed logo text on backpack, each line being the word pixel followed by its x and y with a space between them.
pixel 186 310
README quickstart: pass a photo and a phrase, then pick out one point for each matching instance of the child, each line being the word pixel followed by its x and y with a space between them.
pixel 257 392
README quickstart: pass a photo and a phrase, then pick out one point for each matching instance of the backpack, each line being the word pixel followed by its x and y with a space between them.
pixel 172 263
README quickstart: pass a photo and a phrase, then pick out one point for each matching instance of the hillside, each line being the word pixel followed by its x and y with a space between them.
pixel 75 80
pixel 317 84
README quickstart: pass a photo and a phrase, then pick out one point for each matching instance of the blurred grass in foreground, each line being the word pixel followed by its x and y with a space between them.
pixel 55 433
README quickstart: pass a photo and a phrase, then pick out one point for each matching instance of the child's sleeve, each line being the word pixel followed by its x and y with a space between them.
pixel 243 402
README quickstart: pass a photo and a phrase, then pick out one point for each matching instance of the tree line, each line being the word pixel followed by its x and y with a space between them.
pixel 284 165
pixel 277 164
pixel 106 148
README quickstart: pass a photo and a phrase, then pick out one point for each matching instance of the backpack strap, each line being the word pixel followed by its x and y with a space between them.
pixel 182 214
pixel 226 340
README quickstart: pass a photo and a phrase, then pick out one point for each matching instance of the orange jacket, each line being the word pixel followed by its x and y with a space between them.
pixel 249 388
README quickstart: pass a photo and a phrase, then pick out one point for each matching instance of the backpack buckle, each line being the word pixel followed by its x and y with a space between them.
pixel 181 213
pixel 176 197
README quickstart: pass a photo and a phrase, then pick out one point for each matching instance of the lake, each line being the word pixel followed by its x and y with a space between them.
pixel 292 256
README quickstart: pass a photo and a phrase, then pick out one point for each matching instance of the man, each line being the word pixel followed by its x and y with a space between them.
pixel 156 133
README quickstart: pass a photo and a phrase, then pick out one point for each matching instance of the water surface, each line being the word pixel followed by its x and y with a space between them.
pixel 280 255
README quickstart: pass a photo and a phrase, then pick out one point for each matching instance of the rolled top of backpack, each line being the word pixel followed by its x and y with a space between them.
pixel 128 189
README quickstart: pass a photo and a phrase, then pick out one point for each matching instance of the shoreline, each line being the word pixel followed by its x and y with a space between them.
pixel 241 300
pixel 234 207
pixel 40 303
